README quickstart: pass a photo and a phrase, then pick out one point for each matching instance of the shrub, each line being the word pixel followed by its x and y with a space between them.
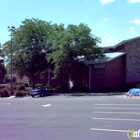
pixel 20 93
pixel 9 90
pixel 28 88
pixel 4 93
pixel 18 83
pixel 4 86
pixel 21 87
pixel 26 85
pixel 49 87
pixel 21 83
pixel 39 85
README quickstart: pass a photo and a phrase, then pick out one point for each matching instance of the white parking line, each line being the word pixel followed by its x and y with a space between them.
pixel 102 96
pixel 115 112
pixel 118 104
pixel 47 105
pixel 116 119
pixel 109 130
pixel 116 108
pixel 5 103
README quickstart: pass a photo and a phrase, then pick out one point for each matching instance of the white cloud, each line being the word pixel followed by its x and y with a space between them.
pixel 106 1
pixel 109 40
pixel 106 19
pixel 135 21
pixel 133 1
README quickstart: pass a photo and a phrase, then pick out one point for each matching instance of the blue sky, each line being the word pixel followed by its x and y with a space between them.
pixel 111 20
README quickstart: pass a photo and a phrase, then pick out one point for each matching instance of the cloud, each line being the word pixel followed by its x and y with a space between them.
pixel 106 1
pixel 133 1
pixel 108 40
pixel 111 40
pixel 135 21
pixel 106 19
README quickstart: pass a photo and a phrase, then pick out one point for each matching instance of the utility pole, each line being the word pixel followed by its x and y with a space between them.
pixel 11 28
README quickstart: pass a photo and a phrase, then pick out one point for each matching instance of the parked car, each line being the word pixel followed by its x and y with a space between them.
pixel 133 92
pixel 41 91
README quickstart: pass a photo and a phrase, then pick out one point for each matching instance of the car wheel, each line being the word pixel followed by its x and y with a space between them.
pixel 33 96
pixel 41 95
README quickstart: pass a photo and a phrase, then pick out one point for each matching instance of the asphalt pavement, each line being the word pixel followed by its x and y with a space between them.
pixel 69 118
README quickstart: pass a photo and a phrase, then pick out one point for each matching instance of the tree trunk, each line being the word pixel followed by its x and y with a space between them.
pixel 33 81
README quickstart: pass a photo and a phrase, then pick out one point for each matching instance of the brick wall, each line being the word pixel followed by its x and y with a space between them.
pixel 132 69
pixel 115 73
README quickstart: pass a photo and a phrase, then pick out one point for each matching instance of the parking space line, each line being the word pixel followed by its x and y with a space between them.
pixel 117 104
pixel 5 103
pixel 115 108
pixel 115 112
pixel 116 119
pixel 102 96
pixel 109 130
pixel 47 105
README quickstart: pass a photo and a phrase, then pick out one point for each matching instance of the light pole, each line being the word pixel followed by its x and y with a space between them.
pixel 11 28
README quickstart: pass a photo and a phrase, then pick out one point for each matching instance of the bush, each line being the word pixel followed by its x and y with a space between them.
pixel 49 87
pixel 39 85
pixel 4 86
pixel 4 93
pixel 21 83
pixel 59 87
pixel 28 88
pixel 20 93
pixel 21 87
pixel 9 90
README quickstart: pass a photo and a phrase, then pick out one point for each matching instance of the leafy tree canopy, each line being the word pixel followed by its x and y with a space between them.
pixel 70 43
pixel 2 71
pixel 30 45
pixel 37 42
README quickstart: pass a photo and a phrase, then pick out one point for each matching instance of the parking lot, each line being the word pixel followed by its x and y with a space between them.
pixel 69 117
pixel 113 119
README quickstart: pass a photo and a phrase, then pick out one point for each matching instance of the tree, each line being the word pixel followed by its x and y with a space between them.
pixel 30 45
pixel 2 72
pixel 2 67
pixel 70 43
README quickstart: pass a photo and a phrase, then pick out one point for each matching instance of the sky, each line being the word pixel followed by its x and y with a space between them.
pixel 111 20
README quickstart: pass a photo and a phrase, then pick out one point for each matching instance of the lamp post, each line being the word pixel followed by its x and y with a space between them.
pixel 11 28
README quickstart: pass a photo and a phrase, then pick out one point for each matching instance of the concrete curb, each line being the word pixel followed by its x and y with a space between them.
pixel 91 94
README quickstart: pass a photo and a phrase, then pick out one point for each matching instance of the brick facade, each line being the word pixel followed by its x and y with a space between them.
pixel 132 60
pixel 132 69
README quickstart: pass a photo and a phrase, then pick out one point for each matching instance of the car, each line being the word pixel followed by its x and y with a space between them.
pixel 41 91
pixel 133 92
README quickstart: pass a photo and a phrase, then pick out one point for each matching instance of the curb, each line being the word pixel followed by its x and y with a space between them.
pixel 91 94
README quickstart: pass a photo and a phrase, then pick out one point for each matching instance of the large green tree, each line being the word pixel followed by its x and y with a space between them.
pixel 70 43
pixel 2 66
pixel 30 45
